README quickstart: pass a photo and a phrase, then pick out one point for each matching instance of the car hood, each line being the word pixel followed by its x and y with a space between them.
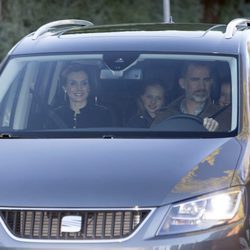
pixel 90 173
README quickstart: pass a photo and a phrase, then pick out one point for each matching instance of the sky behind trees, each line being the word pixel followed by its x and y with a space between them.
pixel 20 17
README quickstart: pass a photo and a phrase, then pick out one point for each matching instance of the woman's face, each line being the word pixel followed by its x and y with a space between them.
pixel 153 99
pixel 77 86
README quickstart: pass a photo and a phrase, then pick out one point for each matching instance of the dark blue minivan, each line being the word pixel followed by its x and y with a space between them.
pixel 128 137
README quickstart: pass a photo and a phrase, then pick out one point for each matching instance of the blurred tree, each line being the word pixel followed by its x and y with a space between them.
pixel 186 11
pixel 222 11
pixel 20 17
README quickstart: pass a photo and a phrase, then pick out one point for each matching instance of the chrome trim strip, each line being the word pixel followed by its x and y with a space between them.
pixel 75 209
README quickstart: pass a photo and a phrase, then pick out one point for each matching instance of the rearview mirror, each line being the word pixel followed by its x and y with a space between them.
pixel 133 74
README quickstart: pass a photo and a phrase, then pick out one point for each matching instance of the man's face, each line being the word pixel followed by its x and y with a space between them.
pixel 197 83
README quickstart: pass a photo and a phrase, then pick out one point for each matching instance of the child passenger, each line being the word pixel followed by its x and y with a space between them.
pixel 225 93
pixel 150 101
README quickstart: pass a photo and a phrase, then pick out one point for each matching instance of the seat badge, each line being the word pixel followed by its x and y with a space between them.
pixel 71 224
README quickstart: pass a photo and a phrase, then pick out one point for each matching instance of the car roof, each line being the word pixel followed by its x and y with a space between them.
pixel 171 38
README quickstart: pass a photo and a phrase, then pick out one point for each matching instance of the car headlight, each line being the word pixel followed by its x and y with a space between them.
pixel 204 212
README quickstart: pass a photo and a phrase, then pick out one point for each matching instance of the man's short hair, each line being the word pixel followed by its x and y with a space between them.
pixel 187 64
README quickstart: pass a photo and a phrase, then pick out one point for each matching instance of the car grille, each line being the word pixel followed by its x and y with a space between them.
pixel 95 225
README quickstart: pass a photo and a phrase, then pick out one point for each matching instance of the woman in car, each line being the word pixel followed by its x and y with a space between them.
pixel 78 111
pixel 150 101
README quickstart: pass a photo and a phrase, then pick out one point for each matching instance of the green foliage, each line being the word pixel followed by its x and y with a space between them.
pixel 186 11
pixel 20 17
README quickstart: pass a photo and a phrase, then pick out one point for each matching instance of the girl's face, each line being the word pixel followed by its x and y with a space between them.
pixel 77 87
pixel 153 99
pixel 225 95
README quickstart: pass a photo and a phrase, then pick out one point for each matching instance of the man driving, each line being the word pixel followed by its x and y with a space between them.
pixel 196 81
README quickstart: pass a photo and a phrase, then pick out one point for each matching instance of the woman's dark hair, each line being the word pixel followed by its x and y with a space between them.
pixel 226 80
pixel 72 67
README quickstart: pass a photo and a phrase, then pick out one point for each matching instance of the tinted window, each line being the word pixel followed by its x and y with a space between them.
pixel 137 94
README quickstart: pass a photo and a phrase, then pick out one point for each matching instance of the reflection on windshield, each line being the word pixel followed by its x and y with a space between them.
pixel 115 92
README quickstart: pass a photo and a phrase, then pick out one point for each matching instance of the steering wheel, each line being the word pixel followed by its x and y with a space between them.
pixel 181 122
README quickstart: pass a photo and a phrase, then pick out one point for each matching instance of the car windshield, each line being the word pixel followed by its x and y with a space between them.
pixel 119 94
